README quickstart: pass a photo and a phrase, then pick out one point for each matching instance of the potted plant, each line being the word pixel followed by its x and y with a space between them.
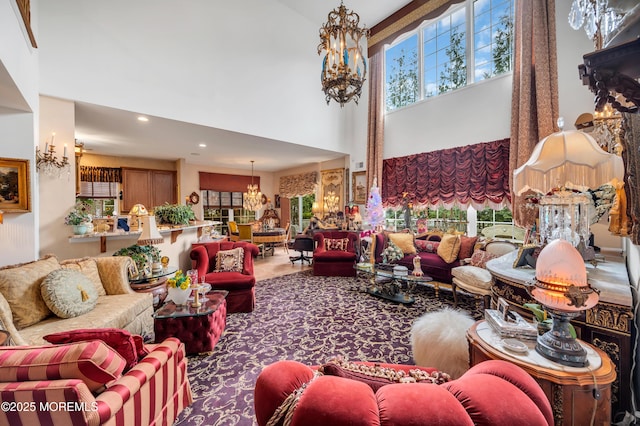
pixel 140 255
pixel 174 214
pixel 179 288
pixel 79 218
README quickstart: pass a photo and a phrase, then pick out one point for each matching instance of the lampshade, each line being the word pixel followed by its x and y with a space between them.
pixel 561 278
pixel 150 234
pixel 570 159
pixel 138 210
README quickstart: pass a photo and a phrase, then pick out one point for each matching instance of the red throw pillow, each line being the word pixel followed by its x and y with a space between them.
pixel 130 347
pixel 377 376
pixel 467 245
pixel 481 257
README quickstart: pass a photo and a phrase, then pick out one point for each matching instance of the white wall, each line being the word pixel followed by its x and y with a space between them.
pixel 248 66
pixel 18 131
pixel 57 194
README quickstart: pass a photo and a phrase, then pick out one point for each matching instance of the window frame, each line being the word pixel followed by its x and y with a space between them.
pixel 468 6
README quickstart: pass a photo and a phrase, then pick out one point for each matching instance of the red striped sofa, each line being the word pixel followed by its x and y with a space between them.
pixel 86 383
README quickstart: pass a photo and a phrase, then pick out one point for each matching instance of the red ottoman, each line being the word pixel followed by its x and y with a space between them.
pixel 198 328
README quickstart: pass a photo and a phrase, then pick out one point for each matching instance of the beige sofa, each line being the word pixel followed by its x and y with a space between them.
pixel 26 316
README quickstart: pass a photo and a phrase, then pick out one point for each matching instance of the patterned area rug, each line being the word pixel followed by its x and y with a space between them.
pixel 308 319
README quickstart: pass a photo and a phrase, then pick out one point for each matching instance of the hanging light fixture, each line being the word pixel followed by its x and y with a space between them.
pixel 252 199
pixel 48 163
pixel 344 67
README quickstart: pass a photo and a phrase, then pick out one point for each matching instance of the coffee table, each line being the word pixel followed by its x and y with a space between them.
pixel 198 328
pixel 386 283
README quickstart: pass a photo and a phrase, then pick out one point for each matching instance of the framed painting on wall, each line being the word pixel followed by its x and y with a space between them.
pixel 359 187
pixel 14 186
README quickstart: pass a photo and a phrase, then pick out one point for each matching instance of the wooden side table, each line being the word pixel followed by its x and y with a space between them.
pixel 155 284
pixel 570 390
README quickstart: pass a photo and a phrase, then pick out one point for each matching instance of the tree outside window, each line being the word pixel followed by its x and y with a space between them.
pixel 454 52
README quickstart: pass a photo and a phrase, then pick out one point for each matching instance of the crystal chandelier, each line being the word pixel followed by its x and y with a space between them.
pixel 331 201
pixel 48 163
pixel 252 199
pixel 599 19
pixel 344 67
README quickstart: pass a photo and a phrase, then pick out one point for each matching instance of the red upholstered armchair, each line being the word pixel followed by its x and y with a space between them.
pixel 239 283
pixel 335 253
pixel 496 393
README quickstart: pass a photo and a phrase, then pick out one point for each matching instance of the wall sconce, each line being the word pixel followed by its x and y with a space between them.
pixel 1 216
pixel 47 162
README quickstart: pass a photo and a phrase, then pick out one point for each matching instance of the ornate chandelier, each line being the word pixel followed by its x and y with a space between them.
pixel 252 199
pixel 344 67
pixel 331 202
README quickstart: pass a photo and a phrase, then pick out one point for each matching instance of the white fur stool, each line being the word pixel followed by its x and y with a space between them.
pixel 438 340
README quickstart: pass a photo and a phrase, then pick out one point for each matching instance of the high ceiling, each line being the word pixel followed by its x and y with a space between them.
pixel 110 131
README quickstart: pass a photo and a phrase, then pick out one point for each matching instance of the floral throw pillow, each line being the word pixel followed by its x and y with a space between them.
pixel 427 246
pixel 392 253
pixel 339 244
pixel 481 257
pixel 230 260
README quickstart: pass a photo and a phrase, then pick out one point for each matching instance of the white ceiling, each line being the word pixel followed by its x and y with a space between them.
pixel 110 131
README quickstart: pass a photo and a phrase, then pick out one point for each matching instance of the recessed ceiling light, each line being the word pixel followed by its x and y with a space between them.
pixel 202 145
pixel 142 118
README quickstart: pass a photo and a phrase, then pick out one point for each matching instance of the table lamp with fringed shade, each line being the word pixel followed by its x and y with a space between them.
pixel 561 286
pixel 567 159
pixel 136 211
pixel 150 234
pixel 560 165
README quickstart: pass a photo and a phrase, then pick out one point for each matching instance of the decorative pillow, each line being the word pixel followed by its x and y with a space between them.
pixel 391 253
pixel 230 260
pixel 377 376
pixel 427 246
pixel 95 363
pixel 88 267
pixel 121 341
pixel 20 285
pixel 68 293
pixel 480 258
pixel 449 248
pixel 473 275
pixel 403 240
pixel 467 245
pixel 339 244
pixel 6 323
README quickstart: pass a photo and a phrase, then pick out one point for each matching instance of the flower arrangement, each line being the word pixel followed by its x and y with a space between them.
pixel 180 281
pixel 78 215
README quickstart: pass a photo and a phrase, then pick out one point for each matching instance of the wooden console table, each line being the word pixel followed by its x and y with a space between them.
pixel 576 394
pixel 608 325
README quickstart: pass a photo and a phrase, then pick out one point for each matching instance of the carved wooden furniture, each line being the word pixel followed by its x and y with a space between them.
pixel 575 394
pixel 610 71
pixel 608 325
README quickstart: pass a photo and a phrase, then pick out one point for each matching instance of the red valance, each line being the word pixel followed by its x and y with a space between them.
pixel 476 175
pixel 226 183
